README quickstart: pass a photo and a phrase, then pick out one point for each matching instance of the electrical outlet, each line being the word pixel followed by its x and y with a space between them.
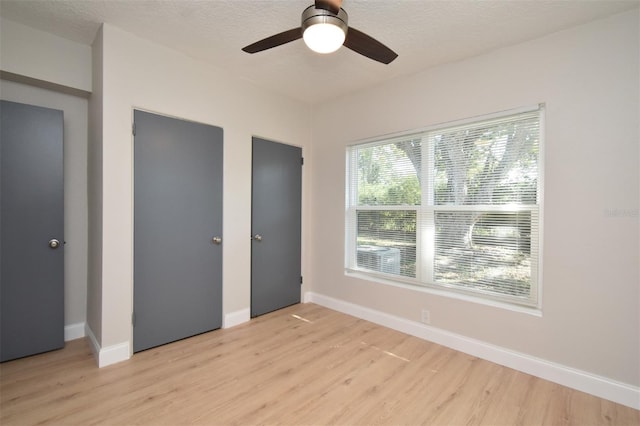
pixel 426 316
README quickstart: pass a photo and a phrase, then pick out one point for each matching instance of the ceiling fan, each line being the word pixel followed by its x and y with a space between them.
pixel 324 29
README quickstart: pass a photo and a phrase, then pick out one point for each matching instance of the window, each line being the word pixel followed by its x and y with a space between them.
pixel 454 207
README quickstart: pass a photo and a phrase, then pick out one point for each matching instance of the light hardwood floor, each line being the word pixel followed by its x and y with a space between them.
pixel 303 365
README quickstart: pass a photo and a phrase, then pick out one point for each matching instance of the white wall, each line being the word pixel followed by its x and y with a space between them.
pixel 139 74
pixel 589 79
pixel 43 56
pixel 94 187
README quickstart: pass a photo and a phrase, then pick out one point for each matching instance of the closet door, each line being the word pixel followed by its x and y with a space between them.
pixel 177 229
pixel 276 226
pixel 31 230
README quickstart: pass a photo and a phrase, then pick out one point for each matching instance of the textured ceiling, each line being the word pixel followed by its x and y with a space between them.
pixel 424 33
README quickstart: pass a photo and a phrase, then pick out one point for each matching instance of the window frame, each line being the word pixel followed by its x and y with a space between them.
pixel 425 235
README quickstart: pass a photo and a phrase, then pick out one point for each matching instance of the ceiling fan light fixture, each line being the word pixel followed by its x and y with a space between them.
pixel 324 38
pixel 323 31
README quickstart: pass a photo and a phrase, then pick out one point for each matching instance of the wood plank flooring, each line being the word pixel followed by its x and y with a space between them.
pixel 303 365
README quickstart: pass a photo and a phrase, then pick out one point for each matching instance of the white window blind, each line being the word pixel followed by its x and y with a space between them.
pixel 454 207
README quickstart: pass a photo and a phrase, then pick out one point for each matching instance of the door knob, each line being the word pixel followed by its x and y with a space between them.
pixel 216 240
pixel 258 237
pixel 54 244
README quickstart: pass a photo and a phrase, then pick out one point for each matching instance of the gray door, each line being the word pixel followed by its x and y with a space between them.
pixel 177 229
pixel 275 225
pixel 31 230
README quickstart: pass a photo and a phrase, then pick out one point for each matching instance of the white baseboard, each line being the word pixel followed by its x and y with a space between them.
pixel 74 331
pixel 583 381
pixel 307 296
pixel 236 318
pixel 110 354
pixel 121 352
pixel 114 354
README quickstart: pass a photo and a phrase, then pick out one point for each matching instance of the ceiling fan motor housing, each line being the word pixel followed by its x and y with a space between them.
pixel 312 16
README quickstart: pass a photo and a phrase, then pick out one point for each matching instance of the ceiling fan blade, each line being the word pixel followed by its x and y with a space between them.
pixel 274 41
pixel 368 46
pixel 332 6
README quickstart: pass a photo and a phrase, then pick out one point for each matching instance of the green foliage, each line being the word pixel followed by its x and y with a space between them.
pixel 386 176
pixel 387 223
pixel 402 191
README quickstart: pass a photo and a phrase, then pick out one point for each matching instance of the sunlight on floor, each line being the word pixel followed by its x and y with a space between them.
pixel 302 319
pixel 387 352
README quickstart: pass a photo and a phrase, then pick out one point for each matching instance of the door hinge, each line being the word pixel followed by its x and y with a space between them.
pixel 133 319
pixel 133 128
pixel 302 161
pixel 300 279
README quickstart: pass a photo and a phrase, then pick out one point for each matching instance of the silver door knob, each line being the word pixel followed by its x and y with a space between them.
pixel 216 240
pixel 258 237
pixel 54 244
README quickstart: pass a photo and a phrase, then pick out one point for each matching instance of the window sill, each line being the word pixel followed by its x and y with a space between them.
pixel 537 312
